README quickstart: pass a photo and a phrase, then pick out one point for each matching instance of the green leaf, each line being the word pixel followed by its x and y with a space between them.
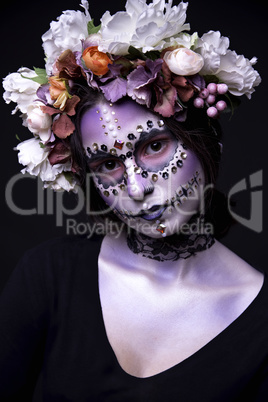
pixel 135 53
pixel 18 138
pixel 153 54
pixel 41 76
pixel 91 28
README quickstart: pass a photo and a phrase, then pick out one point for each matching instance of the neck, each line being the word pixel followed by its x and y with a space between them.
pixel 171 248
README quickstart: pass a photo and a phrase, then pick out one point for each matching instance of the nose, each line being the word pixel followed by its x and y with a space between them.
pixel 136 184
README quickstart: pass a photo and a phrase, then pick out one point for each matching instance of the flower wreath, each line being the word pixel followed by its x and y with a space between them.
pixel 143 53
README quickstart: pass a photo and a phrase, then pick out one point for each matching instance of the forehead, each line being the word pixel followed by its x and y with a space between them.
pixel 113 124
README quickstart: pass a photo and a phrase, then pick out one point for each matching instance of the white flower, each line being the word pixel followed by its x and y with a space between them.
pixel 183 61
pixel 183 39
pixel 63 182
pixel 65 33
pixel 38 122
pixel 146 27
pixel 234 70
pixel 237 72
pixel 20 90
pixel 212 46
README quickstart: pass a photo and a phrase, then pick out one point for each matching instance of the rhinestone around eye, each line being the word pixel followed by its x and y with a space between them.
pixel 154 177
pixel 95 146
pixel 139 128
pixel 115 192
pixel 106 193
pixel 137 170
pixel 165 175
pixel 129 154
pixel 104 147
pixel 174 169
pixel 123 157
pixel 113 151
pixel 160 123
pixel 129 145
pixel 122 187
pixel 183 155
pixel 118 127
pixel 131 137
pixel 144 174
pixel 116 120
pixel 103 126
pixel 180 163
pixel 150 124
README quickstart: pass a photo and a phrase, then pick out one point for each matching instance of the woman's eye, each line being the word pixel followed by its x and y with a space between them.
pixel 154 147
pixel 110 165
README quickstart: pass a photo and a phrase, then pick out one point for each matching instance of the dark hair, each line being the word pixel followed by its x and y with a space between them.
pixel 199 133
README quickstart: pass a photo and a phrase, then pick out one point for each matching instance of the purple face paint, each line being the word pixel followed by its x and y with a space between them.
pixel 140 168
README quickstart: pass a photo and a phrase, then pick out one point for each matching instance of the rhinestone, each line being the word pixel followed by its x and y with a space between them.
pixel 165 175
pixel 122 187
pixel 95 146
pixel 126 175
pixel 116 120
pixel 173 199
pixel 180 163
pixel 104 147
pixel 184 146
pixel 131 136
pixel 183 155
pixel 137 170
pixel 103 126
pixel 106 133
pixel 144 174
pixel 111 104
pixel 129 145
pixel 89 150
pixel 160 123
pixel 119 144
pixel 139 128
pixel 115 192
pixel 113 113
pixel 150 124
pixel 97 111
pixel 129 154
pixel 101 118
pixel 118 127
pixel 174 169
pixel 123 157
pixel 161 228
pixel 106 193
pixel 154 177
pixel 113 151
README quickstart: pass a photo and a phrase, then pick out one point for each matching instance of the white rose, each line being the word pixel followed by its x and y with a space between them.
pixel 212 46
pixel 35 160
pixel 237 72
pixel 234 70
pixel 38 122
pixel 66 33
pixel 183 61
pixel 61 183
pixel 20 90
pixel 143 26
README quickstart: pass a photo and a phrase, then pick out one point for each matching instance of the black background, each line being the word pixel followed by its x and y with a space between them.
pixel 245 23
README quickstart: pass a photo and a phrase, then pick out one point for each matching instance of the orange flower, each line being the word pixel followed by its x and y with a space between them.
pixel 58 91
pixel 96 61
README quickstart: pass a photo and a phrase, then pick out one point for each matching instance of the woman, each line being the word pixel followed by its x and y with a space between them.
pixel 158 306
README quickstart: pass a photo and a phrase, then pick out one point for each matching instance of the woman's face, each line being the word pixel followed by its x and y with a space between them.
pixel 141 170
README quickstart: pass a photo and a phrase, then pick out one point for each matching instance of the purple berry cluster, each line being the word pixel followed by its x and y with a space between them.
pixel 208 96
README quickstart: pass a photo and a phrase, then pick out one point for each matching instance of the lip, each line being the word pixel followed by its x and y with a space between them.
pixel 153 213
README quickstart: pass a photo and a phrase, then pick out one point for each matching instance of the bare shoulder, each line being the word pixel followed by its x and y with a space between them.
pixel 234 270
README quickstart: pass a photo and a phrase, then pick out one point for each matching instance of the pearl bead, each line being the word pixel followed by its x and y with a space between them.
pixel 221 105
pixel 104 111
pixel 199 103
pixel 212 112
pixel 204 93
pixel 212 88
pixel 222 88
pixel 111 127
pixel 107 119
pixel 145 206
pixel 211 99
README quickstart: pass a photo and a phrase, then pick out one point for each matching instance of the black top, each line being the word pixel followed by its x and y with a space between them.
pixel 51 322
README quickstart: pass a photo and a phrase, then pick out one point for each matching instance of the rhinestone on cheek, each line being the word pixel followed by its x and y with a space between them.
pixel 144 174
pixel 154 177
pixel 174 169
pixel 131 137
pixel 122 187
pixel 161 228
pixel 95 146
pixel 165 175
pixel 160 123
pixel 104 147
pixel 115 192
pixel 180 163
pixel 183 155
pixel 113 151
pixel 106 193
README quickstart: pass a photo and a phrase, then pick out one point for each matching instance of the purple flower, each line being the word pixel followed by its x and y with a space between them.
pixel 140 81
pixel 115 89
